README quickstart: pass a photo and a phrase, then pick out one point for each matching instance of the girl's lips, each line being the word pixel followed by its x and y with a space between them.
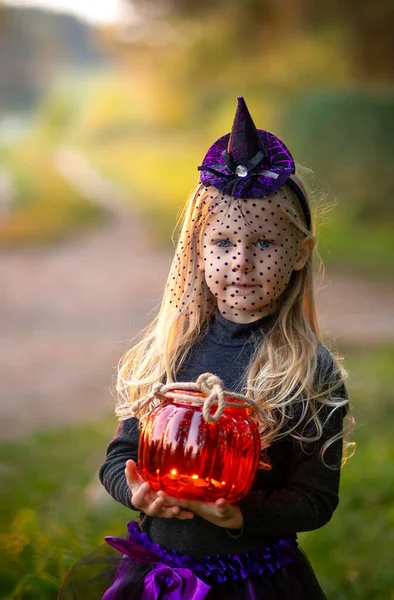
pixel 245 289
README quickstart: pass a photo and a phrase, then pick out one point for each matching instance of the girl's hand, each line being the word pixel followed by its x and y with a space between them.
pixel 219 513
pixel 148 501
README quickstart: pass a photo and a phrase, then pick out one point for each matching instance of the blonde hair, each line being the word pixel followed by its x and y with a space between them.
pixel 291 375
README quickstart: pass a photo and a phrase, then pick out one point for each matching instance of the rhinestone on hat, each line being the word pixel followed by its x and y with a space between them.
pixel 241 171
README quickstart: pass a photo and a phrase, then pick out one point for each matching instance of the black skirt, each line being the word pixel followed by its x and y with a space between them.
pixel 134 568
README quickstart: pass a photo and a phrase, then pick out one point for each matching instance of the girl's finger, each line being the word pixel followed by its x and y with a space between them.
pixel 132 476
pixel 181 502
pixel 169 500
pixel 155 509
pixel 158 508
pixel 184 515
pixel 139 494
pixel 171 507
pixel 222 507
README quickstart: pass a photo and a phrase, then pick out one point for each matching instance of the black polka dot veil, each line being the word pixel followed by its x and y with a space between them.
pixel 237 254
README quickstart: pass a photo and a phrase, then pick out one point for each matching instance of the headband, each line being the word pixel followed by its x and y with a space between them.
pixel 250 162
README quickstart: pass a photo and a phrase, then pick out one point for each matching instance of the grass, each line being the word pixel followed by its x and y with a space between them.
pixel 51 515
pixel 353 555
pixel 48 512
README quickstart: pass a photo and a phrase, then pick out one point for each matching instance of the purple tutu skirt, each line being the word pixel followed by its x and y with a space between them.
pixel 134 568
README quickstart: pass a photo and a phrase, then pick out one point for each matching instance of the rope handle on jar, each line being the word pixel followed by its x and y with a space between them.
pixel 208 384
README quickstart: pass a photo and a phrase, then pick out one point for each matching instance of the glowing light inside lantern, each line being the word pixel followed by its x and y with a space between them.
pixel 194 476
pixel 174 472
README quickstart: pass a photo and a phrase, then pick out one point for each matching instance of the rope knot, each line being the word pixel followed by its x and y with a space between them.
pixel 212 386
pixel 207 381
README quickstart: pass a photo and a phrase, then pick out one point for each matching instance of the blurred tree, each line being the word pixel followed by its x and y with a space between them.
pixel 368 31
pixel 371 38
pixel 367 27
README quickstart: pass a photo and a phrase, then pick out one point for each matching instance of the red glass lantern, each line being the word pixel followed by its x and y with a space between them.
pixel 187 457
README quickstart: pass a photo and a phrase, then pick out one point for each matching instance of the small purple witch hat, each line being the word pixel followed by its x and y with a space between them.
pixel 250 162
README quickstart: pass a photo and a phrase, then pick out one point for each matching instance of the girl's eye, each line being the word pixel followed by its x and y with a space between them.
pixel 223 243
pixel 263 243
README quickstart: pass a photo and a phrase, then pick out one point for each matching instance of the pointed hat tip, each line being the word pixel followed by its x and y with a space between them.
pixel 241 105
pixel 243 143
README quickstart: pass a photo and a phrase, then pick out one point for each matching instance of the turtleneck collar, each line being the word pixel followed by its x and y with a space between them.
pixel 227 333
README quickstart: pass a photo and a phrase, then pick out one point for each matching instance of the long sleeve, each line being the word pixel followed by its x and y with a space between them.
pixel 309 494
pixel 123 447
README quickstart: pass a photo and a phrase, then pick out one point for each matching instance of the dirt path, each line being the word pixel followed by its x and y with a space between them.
pixel 67 313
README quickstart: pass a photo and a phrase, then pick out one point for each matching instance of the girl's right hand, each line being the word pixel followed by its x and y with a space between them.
pixel 148 501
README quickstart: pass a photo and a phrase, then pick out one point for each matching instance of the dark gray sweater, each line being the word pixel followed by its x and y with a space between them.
pixel 299 492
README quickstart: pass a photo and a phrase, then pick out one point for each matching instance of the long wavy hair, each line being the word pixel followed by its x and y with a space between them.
pixel 292 375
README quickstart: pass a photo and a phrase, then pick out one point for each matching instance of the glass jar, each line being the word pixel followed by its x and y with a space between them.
pixel 187 457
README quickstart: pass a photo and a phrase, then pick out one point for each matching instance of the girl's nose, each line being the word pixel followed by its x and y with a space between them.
pixel 242 261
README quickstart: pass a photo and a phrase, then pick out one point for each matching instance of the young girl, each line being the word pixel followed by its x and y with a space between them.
pixel 239 304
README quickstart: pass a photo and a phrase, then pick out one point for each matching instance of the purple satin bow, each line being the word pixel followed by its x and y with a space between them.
pixel 174 584
pixel 171 583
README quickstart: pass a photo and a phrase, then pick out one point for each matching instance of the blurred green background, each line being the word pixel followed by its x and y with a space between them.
pixel 140 100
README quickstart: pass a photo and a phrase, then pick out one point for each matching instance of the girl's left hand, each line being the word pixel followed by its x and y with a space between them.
pixel 219 513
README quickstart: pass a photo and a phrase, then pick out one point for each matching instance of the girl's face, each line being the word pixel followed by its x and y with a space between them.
pixel 249 251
